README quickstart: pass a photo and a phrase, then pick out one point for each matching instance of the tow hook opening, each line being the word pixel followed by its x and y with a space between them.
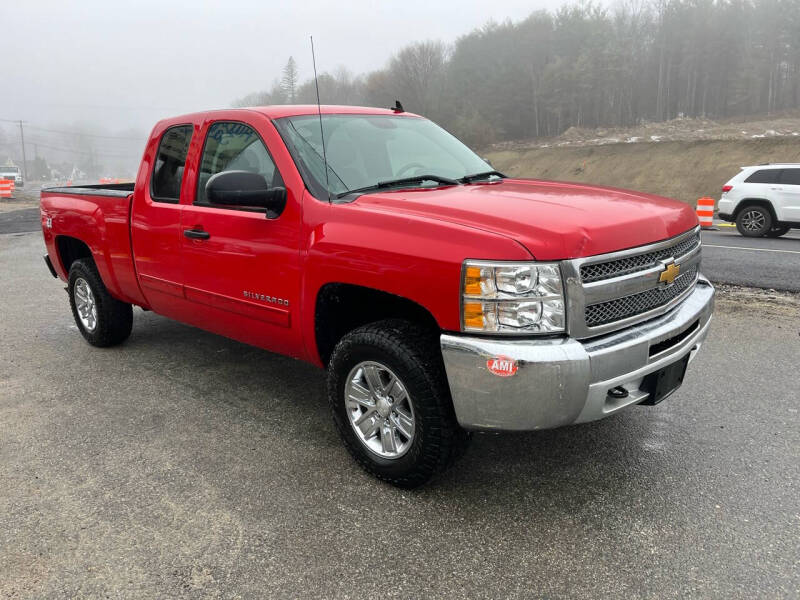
pixel 618 393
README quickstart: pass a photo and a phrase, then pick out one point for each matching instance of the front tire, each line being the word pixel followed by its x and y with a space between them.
pixel 102 319
pixel 391 403
pixel 754 221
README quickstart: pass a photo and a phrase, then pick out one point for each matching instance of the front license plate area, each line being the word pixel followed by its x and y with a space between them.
pixel 663 383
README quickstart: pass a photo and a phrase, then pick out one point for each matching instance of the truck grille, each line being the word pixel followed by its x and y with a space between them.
pixel 628 306
pixel 612 291
pixel 639 262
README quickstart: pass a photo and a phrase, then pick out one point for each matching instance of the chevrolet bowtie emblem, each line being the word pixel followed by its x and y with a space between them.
pixel 669 273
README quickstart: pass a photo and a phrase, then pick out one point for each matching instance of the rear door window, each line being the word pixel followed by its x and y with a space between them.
pixel 764 176
pixel 790 177
pixel 165 184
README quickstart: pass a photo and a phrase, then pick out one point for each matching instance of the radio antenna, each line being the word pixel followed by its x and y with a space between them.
pixel 319 112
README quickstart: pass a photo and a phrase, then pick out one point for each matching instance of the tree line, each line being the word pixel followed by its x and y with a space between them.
pixel 583 65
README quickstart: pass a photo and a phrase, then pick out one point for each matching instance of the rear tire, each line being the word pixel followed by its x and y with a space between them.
pixel 754 221
pixel 388 379
pixel 777 232
pixel 102 319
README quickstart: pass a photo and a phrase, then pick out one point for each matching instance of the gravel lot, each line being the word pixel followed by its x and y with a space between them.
pixel 182 464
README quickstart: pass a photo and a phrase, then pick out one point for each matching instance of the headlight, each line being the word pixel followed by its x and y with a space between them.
pixel 512 297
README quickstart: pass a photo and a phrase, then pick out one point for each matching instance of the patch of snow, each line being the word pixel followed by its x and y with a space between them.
pixel 632 140
pixel 758 135
pixel 655 138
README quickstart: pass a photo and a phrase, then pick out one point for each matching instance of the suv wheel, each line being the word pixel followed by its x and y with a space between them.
pixel 754 221
pixel 102 319
pixel 777 232
pixel 391 403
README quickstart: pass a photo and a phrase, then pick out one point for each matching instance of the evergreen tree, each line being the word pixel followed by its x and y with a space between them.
pixel 289 80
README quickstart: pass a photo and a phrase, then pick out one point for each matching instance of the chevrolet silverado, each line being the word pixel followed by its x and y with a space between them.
pixel 441 296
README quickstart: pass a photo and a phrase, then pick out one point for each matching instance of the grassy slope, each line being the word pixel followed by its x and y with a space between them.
pixel 683 170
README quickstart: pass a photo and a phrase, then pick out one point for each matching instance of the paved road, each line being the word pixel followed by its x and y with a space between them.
pixel 182 464
pixel 19 221
pixel 756 262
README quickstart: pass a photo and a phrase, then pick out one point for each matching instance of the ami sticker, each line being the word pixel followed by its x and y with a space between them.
pixel 502 366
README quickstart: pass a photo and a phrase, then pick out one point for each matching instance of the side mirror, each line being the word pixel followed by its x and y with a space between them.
pixel 243 188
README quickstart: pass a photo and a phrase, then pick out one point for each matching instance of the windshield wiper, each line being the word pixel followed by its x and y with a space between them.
pixel 479 176
pixel 399 182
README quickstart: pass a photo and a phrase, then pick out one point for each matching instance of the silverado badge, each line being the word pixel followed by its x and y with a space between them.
pixel 669 273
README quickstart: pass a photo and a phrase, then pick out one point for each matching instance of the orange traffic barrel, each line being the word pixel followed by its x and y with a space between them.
pixel 705 212
pixel 6 188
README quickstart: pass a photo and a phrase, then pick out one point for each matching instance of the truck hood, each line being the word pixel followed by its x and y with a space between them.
pixel 553 220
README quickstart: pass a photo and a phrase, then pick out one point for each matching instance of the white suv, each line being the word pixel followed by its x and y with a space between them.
pixel 763 200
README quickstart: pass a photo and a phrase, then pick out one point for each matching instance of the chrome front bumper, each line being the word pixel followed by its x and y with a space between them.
pixel 563 380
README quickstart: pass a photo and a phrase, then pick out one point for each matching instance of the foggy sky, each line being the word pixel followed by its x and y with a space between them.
pixel 125 65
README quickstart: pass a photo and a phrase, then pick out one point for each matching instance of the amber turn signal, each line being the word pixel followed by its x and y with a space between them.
pixel 473 315
pixel 472 281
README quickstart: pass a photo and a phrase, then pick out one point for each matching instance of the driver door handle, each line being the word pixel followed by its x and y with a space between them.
pixel 196 234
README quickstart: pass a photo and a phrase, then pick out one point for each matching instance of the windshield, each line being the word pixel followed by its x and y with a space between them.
pixel 9 169
pixel 365 150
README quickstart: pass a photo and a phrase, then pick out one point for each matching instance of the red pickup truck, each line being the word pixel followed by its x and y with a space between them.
pixel 441 296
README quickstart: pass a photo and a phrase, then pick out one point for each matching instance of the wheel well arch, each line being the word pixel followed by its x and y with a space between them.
pixel 745 202
pixel 71 249
pixel 342 307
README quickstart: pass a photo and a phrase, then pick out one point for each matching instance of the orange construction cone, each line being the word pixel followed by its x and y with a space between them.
pixel 705 212
pixel 6 188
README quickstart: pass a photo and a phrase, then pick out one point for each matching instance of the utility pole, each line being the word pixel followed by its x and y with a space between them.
pixel 24 160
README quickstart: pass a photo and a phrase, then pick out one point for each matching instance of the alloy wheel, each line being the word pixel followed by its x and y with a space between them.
pixel 85 303
pixel 380 409
pixel 753 220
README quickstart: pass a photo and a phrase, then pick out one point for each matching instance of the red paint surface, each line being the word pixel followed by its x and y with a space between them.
pixel 411 243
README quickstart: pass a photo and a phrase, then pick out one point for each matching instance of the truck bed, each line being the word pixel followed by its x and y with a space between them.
pixel 96 217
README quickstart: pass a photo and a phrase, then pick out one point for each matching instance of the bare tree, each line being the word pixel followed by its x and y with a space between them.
pixel 416 76
pixel 585 66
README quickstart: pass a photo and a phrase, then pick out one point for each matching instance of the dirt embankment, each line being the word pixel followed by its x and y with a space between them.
pixel 686 170
pixel 684 158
